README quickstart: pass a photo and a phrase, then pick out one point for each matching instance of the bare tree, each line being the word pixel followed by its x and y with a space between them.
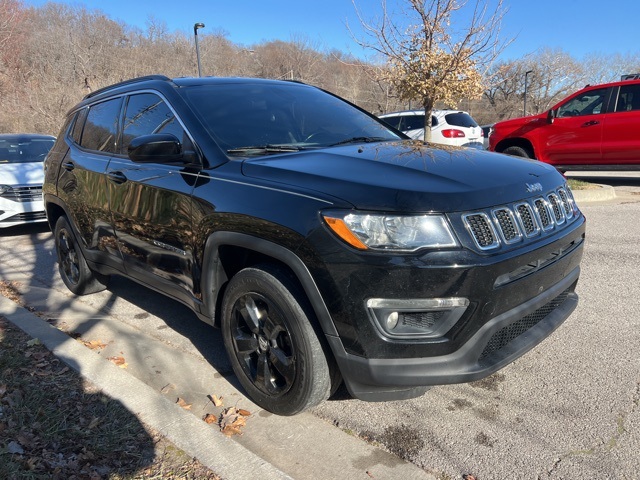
pixel 427 58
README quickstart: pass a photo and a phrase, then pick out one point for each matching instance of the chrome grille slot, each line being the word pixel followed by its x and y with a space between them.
pixel 556 208
pixel 543 213
pixel 507 225
pixel 527 219
pixel 568 211
pixel 481 230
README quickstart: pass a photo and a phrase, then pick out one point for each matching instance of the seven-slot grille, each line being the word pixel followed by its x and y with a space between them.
pixel 525 219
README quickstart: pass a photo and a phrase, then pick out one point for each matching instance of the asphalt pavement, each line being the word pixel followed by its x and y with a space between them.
pixel 568 409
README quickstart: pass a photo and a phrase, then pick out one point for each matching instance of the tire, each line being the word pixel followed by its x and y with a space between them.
pixel 73 268
pixel 274 349
pixel 517 152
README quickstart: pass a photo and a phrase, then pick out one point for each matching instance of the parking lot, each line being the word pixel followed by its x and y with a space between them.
pixel 568 409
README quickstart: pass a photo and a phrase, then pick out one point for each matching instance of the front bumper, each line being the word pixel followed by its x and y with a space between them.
pixel 496 344
pixel 17 213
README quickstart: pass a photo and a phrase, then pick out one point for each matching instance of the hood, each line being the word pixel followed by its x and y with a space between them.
pixel 30 173
pixel 517 127
pixel 407 176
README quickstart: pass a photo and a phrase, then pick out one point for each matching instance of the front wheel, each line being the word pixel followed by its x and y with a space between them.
pixel 273 348
pixel 518 152
pixel 73 268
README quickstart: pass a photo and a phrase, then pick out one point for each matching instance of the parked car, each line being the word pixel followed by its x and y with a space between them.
pixel 486 133
pixel 448 127
pixel 595 128
pixel 326 245
pixel 21 177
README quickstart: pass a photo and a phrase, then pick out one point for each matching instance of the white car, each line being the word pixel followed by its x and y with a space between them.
pixel 448 127
pixel 21 177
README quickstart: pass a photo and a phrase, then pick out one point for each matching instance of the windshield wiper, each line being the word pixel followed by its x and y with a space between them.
pixel 359 140
pixel 265 149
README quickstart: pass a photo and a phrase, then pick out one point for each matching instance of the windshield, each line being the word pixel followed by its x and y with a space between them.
pixel 24 150
pixel 275 118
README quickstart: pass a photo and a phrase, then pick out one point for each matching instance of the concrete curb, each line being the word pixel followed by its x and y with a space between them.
pixel 222 455
pixel 602 194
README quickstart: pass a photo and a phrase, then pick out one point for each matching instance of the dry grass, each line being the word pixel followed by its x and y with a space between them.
pixel 54 424
pixel 581 185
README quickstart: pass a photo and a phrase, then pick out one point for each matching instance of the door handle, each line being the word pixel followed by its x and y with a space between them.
pixel 68 166
pixel 117 177
pixel 590 123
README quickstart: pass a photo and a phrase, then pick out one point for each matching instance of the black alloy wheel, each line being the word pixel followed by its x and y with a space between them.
pixel 273 346
pixel 263 344
pixel 73 268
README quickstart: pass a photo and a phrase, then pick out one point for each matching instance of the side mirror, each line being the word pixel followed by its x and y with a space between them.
pixel 551 115
pixel 155 148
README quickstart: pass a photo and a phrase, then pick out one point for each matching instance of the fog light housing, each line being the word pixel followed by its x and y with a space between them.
pixel 392 320
pixel 415 318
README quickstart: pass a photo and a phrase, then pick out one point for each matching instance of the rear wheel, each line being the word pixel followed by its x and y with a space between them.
pixel 273 348
pixel 518 152
pixel 73 268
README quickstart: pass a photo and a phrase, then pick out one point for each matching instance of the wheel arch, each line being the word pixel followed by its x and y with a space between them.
pixel 54 211
pixel 516 142
pixel 226 253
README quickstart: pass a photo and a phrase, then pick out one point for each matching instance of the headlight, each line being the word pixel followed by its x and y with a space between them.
pixel 391 232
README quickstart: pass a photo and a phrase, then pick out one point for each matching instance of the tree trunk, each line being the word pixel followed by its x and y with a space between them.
pixel 428 108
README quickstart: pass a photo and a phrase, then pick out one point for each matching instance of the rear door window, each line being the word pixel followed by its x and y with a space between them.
pixel 628 98
pixel 100 131
pixel 412 122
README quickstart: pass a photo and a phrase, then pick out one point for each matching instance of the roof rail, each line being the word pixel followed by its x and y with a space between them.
pixel 631 76
pixel 127 82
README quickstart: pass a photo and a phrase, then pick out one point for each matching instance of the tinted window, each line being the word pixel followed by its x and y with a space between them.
pixel 24 149
pixel 147 114
pixel 588 103
pixel 628 98
pixel 412 122
pixel 76 131
pixel 460 119
pixel 101 128
pixel 393 121
pixel 257 114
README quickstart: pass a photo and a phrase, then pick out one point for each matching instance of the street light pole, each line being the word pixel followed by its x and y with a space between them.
pixel 526 75
pixel 195 34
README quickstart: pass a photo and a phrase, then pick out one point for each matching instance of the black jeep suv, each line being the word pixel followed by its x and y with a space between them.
pixel 326 245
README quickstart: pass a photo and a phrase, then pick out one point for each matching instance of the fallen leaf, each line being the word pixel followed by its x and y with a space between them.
pixel 32 342
pixel 210 418
pixel 231 420
pixel 95 344
pixel 230 430
pixel 183 404
pixel 215 400
pixel 119 361
pixel 3 389
pixel 244 413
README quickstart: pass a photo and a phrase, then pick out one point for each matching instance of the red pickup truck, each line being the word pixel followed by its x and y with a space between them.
pixel 596 128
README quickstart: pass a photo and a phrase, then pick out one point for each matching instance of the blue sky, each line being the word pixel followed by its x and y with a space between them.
pixel 579 27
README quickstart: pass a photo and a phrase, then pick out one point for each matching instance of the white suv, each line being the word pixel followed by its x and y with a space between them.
pixel 448 127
